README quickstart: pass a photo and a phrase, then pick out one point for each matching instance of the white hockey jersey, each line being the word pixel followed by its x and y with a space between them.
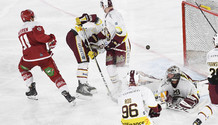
pixel 212 61
pixel 115 27
pixel 133 102
pixel 184 88
pixel 89 31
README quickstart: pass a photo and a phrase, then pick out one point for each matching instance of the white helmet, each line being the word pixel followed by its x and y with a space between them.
pixel 173 73
pixel 106 3
pixel 215 39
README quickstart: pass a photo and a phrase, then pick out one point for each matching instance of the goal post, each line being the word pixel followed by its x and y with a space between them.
pixel 197 32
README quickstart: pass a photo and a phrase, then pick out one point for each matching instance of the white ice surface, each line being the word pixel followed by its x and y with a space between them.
pixel 155 22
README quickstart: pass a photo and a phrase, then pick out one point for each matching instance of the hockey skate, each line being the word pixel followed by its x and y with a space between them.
pixel 69 98
pixel 197 122
pixel 83 92
pixel 91 89
pixel 32 93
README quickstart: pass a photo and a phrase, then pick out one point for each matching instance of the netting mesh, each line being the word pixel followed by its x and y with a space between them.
pixel 199 33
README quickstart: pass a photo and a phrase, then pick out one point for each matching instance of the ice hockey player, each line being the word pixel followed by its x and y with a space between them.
pixel 210 109
pixel 78 39
pixel 137 103
pixel 177 90
pixel 118 49
pixel 33 40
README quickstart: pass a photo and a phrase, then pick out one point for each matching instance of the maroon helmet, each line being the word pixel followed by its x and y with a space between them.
pixel 26 15
pixel 133 78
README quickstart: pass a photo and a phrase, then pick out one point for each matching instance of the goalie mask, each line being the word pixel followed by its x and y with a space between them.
pixel 133 78
pixel 173 75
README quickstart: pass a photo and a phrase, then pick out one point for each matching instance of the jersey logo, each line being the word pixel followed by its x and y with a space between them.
pixel 49 71
pixel 39 28
pixel 176 92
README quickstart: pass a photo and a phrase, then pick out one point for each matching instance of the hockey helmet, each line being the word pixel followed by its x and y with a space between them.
pixel 26 15
pixel 106 3
pixel 173 74
pixel 133 78
pixel 215 39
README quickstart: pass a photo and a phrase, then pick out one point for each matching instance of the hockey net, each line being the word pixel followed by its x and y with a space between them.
pixel 197 32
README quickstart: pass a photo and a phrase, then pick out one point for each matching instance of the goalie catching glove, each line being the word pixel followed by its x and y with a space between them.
pixel 93 54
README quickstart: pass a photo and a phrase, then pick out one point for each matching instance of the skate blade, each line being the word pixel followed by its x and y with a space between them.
pixel 83 97
pixel 32 97
pixel 93 91
pixel 73 103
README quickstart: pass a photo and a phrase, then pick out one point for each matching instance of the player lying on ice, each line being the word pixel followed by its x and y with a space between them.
pixel 137 103
pixel 177 90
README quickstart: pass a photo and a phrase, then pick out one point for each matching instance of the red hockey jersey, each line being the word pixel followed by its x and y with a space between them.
pixel 33 40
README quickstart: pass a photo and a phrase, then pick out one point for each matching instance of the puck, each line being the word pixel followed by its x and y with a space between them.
pixel 147 47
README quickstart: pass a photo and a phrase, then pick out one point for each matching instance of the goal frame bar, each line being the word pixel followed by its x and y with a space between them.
pixel 184 26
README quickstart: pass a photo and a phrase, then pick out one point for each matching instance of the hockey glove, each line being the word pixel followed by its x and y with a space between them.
pixel 94 38
pixel 78 29
pixel 52 44
pixel 83 19
pixel 112 44
pixel 92 54
pixel 213 80
pixel 155 111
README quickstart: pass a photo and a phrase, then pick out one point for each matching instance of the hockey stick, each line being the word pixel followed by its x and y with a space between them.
pixel 205 17
pixel 120 50
pixel 144 75
pixel 105 83
pixel 203 81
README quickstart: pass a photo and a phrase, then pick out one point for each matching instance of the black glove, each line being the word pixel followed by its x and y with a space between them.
pixel 213 80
